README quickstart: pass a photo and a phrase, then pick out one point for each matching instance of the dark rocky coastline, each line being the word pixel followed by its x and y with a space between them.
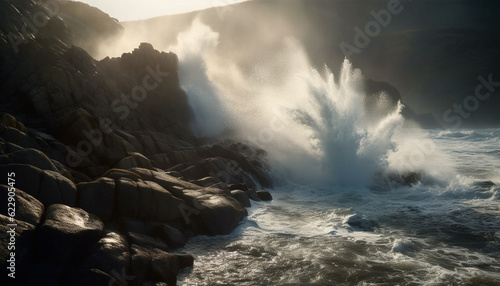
pixel 109 180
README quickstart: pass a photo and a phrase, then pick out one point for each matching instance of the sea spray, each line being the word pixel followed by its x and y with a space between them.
pixel 194 48
pixel 313 125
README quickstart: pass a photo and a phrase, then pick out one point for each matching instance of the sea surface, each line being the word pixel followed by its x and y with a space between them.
pixel 441 231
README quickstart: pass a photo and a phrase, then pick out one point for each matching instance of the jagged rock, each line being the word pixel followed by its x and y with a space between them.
pixel 241 197
pixel 146 201
pixel 97 197
pixel 111 254
pixel 264 195
pixel 27 208
pixel 65 231
pixel 48 187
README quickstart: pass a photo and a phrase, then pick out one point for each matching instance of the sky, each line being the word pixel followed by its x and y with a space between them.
pixel 127 10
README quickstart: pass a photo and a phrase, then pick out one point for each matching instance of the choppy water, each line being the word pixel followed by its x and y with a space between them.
pixel 439 233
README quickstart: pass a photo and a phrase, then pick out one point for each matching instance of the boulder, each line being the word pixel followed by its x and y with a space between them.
pixel 157 265
pixel 140 264
pixel 97 197
pixel 34 174
pixel 27 208
pixel 48 187
pixel 146 201
pixel 165 267
pixel 219 214
pixel 29 156
pixel 264 195
pixel 111 254
pixel 167 181
pixel 170 235
pixel 23 235
pixel 66 231
pixel 241 197
pixel 56 189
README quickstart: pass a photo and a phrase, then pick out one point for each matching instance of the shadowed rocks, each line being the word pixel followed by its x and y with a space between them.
pixel 107 182
pixel 65 230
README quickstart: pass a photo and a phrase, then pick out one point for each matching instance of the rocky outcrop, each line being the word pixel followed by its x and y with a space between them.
pixel 109 179
pixel 27 208
pixel 65 230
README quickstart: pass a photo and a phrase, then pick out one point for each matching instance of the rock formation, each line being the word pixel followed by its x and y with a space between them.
pixel 109 180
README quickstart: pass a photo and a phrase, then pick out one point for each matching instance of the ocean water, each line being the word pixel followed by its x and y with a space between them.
pixel 342 213
pixel 425 234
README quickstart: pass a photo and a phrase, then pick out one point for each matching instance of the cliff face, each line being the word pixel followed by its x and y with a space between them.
pixel 106 174
pixel 52 76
